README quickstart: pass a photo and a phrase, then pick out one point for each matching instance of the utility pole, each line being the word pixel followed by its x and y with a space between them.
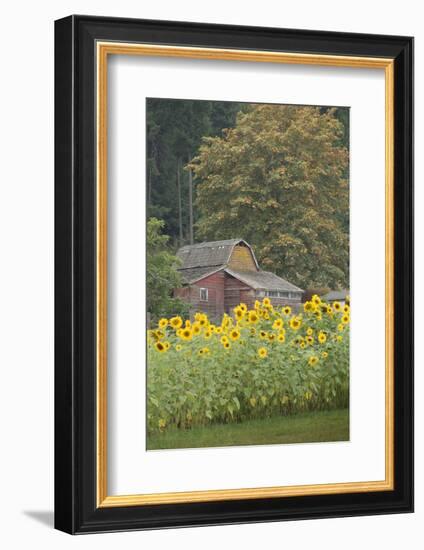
pixel 180 210
pixel 190 202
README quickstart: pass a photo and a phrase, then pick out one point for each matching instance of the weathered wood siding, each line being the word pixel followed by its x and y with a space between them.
pixel 214 307
pixel 241 259
pixel 237 292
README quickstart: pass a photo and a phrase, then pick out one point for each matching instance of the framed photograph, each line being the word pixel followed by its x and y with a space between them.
pixel 234 274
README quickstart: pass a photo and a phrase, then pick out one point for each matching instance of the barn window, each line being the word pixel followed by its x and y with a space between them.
pixel 204 294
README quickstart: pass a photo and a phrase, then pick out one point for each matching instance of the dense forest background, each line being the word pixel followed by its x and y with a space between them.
pixel 274 175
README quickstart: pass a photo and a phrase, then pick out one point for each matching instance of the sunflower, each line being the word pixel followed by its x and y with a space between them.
pixel 322 337
pixel 309 331
pixel 266 302
pixel 337 306
pixel 302 345
pixel 339 338
pixel 287 310
pixel 227 345
pixel 196 328
pixel 152 335
pixel 324 354
pixel 316 299
pixel 243 307
pixel 257 304
pixel 262 352
pixel 218 330
pixel 186 334
pixel 234 334
pixel 329 310
pixel 178 347
pixel 278 324
pixel 227 322
pixel 167 345
pixel 239 313
pixel 265 315
pixel 281 336
pixel 163 323
pixel 263 335
pixel 176 322
pixel 161 347
pixel 295 323
pixel 253 316
pixel 271 337
pixel 313 360
pixel 253 331
pixel 309 307
pixel 208 334
pixel 340 327
pixel 188 323
pixel 203 322
pixel 224 340
pixel 309 340
pixel 346 308
pixel 345 319
pixel 203 351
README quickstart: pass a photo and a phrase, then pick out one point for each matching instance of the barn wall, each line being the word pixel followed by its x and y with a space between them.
pixel 237 292
pixel 214 307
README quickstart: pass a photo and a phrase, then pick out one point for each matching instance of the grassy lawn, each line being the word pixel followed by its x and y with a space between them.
pixel 301 428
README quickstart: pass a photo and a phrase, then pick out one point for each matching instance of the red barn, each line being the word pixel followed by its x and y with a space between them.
pixel 219 275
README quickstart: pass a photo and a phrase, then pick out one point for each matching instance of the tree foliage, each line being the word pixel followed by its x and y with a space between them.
pixel 162 276
pixel 279 180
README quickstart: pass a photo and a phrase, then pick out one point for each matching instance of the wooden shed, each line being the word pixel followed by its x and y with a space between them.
pixel 219 275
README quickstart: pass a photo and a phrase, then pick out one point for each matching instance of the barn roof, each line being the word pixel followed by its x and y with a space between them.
pixel 209 254
pixel 336 295
pixel 263 280
pixel 204 259
pixel 193 274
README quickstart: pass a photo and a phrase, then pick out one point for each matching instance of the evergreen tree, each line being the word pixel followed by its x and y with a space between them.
pixel 175 129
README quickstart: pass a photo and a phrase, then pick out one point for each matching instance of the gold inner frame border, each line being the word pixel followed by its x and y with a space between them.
pixel 103 50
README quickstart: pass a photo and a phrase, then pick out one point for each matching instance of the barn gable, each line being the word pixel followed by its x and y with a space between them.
pixel 242 258
pixel 203 259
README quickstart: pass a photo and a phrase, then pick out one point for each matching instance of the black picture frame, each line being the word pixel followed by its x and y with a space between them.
pixel 76 510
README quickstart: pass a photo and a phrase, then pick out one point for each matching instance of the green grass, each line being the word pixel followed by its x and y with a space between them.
pixel 301 428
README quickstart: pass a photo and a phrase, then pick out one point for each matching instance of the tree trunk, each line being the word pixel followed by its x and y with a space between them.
pixel 180 210
pixel 190 204
pixel 149 185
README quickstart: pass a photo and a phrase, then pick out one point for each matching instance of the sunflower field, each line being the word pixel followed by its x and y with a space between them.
pixel 257 363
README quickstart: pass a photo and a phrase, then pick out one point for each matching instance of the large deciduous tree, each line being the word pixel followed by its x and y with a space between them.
pixel 279 179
